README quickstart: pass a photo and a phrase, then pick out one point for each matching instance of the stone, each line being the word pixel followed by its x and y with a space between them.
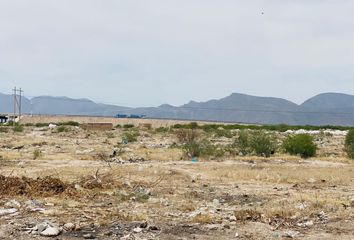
pixel 137 230
pixel 301 206
pixel 50 232
pixel 8 211
pixel 89 236
pixel 13 204
pixel 143 225
pixel 42 226
pixel 153 228
pixel 291 234
pixel 311 180
pixel 69 227
pixel 306 224
pixel 212 227
pixel 232 219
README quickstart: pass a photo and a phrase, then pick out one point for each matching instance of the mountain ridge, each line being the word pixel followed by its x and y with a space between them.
pixel 323 109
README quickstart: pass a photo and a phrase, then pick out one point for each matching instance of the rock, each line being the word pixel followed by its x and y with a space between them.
pixel 306 224
pixel 216 202
pixel 311 180
pixel 301 206
pixel 212 227
pixel 89 236
pixel 127 184
pixel 8 211
pixel 137 230
pixel 52 126
pixel 143 225
pixel 13 204
pixel 153 228
pixel 227 226
pixel 323 217
pixel 42 226
pixel 144 191
pixel 50 232
pixel 291 234
pixel 232 219
pixel 69 227
pixel 35 205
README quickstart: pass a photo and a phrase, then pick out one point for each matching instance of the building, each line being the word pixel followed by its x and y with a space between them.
pixel 3 118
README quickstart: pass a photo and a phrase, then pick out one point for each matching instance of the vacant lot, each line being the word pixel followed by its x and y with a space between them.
pixel 131 183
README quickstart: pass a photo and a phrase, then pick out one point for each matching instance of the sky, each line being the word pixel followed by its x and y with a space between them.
pixel 147 53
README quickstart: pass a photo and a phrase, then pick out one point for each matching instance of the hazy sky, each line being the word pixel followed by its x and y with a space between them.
pixel 149 52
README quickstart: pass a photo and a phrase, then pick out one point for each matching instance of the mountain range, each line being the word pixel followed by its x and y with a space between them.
pixel 323 109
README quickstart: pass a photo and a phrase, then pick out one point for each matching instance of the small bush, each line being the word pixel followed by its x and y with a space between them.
pixel 162 130
pixel 131 136
pixel 202 149
pixel 220 132
pixel 242 142
pixel 349 144
pixel 37 154
pixel 128 125
pixel 301 144
pixel 258 142
pixel 69 123
pixel 110 135
pixel 18 128
pixel 263 143
pixel 42 124
pixel 62 128
pixel 186 135
pixel 192 149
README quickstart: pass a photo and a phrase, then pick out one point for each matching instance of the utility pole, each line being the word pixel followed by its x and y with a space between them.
pixel 17 94
pixel 20 105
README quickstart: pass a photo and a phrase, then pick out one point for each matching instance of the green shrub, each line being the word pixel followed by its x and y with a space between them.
pixel 62 128
pixel 42 124
pixel 186 136
pixel 162 129
pixel 69 123
pixel 242 142
pixel 18 128
pixel 263 143
pixel 130 136
pixel 192 149
pixel 110 135
pixel 37 154
pixel 349 144
pixel 128 125
pixel 220 132
pixel 301 144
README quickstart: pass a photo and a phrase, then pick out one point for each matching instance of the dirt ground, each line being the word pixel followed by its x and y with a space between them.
pixel 87 185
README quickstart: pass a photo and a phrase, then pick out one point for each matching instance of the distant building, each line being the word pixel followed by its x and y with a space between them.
pixel 4 118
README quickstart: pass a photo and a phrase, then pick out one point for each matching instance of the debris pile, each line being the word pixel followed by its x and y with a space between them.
pixel 47 186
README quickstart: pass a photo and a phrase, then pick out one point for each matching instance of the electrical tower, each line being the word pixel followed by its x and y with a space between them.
pixel 17 94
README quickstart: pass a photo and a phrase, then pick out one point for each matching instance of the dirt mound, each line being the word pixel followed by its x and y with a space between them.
pixel 47 186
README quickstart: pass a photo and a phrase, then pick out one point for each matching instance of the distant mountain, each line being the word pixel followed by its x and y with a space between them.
pixel 7 104
pixel 69 106
pixel 323 109
pixel 329 101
